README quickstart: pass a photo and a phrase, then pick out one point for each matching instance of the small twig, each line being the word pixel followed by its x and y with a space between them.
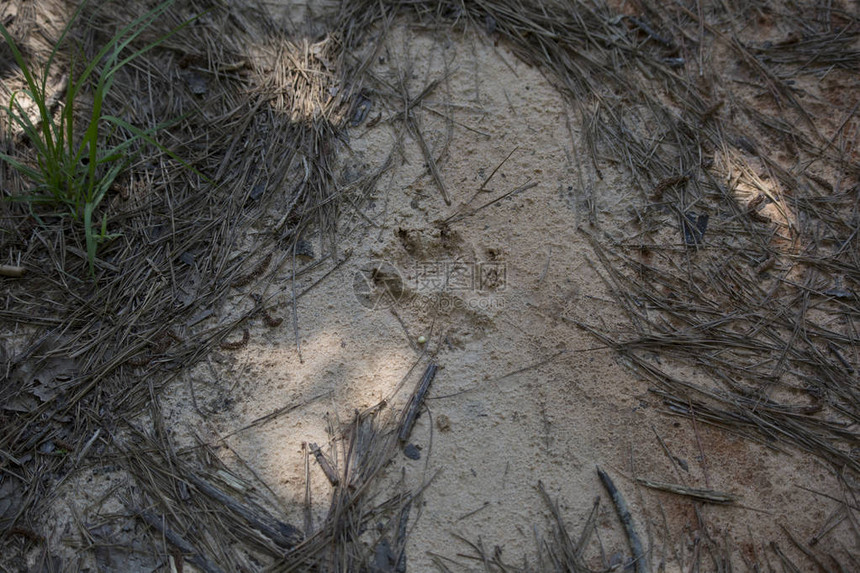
pixel 12 271
pixel 83 453
pixel 706 495
pixel 281 533
pixel 499 166
pixel 417 401
pixel 272 415
pixel 641 564
pixel 485 505
pixel 699 444
pixel 178 541
pixel 309 518
pixel 546 266
pixel 469 212
pixel 325 465
pixel 806 550
pixel 428 157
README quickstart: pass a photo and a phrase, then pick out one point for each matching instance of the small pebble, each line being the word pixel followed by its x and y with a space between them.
pixel 412 452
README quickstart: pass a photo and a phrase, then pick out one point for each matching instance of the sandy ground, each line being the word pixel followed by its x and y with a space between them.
pixel 522 396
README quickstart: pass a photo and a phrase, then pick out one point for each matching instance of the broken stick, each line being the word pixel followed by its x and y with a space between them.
pixel 281 533
pixel 704 495
pixel 640 564
pixel 417 401
pixel 190 552
pixel 12 271
pixel 327 469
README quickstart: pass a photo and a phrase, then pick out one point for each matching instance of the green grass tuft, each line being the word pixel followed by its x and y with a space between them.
pixel 74 169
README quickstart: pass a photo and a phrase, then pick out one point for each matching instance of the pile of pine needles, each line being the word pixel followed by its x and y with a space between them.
pixel 258 111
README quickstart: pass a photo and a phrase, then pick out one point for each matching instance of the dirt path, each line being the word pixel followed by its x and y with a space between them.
pixel 523 396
